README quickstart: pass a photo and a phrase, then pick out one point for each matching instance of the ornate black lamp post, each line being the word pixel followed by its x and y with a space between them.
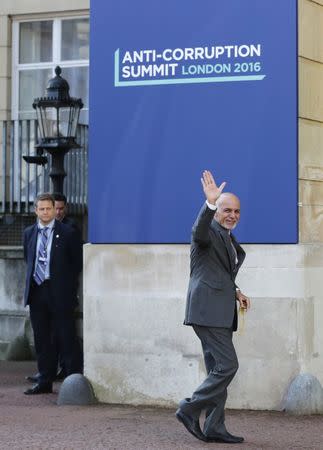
pixel 58 116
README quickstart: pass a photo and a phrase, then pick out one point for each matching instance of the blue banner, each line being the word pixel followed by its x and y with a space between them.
pixel 176 88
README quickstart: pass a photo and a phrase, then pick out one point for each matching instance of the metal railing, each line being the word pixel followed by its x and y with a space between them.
pixel 21 182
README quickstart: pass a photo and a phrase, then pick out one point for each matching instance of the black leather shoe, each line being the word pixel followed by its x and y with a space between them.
pixel 192 425
pixel 226 438
pixel 33 378
pixel 39 389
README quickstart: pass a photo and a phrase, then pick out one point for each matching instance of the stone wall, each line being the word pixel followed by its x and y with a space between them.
pixel 5 66
pixel 14 317
pixel 9 7
pixel 137 351
pixel 311 120
pixel 16 337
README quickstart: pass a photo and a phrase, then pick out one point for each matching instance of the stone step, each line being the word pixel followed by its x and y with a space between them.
pixel 3 350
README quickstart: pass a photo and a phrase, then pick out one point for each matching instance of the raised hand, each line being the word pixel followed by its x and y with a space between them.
pixel 211 190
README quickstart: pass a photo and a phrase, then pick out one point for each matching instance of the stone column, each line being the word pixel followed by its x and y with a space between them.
pixel 5 77
pixel 5 67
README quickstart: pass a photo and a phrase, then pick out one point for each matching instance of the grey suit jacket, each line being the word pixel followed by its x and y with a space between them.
pixel 211 297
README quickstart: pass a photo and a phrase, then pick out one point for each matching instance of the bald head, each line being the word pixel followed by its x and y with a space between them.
pixel 228 210
pixel 227 196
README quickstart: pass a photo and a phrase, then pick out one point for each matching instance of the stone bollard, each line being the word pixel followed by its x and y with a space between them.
pixel 76 390
pixel 304 396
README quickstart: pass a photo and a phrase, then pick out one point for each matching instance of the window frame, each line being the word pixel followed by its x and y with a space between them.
pixel 56 49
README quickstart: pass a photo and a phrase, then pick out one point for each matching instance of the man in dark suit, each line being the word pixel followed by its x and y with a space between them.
pixel 53 253
pixel 212 309
pixel 61 210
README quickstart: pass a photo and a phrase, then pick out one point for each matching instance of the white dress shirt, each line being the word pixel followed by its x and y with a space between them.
pixel 50 232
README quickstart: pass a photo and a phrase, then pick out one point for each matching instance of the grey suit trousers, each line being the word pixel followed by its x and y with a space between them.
pixel 221 364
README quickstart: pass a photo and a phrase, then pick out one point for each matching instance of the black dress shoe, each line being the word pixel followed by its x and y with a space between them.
pixel 226 438
pixel 192 425
pixel 39 389
pixel 33 378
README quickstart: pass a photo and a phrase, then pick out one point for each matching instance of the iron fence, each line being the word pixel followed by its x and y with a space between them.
pixel 21 182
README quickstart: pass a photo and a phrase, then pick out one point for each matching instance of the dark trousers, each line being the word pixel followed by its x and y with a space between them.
pixel 221 365
pixel 48 321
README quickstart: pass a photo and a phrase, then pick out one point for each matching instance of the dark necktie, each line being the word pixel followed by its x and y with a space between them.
pixel 39 275
pixel 233 251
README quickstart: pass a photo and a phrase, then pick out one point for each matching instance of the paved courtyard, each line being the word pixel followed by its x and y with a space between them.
pixel 37 423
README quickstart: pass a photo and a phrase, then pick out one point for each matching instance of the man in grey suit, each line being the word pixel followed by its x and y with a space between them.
pixel 212 309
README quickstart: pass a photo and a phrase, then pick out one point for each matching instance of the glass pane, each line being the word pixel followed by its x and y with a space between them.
pixel 78 79
pixel 35 42
pixel 75 39
pixel 68 121
pixel 32 84
pixel 49 121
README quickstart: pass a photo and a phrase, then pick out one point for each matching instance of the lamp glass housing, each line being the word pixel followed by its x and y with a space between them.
pixel 57 121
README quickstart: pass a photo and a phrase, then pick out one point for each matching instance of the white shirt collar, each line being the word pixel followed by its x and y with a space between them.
pixel 50 225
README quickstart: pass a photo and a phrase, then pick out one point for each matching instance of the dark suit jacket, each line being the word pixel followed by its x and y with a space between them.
pixel 211 298
pixel 65 264
pixel 71 222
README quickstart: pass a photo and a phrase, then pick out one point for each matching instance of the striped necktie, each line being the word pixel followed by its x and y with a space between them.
pixel 39 275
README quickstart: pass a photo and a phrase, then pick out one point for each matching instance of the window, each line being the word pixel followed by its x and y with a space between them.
pixel 38 47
